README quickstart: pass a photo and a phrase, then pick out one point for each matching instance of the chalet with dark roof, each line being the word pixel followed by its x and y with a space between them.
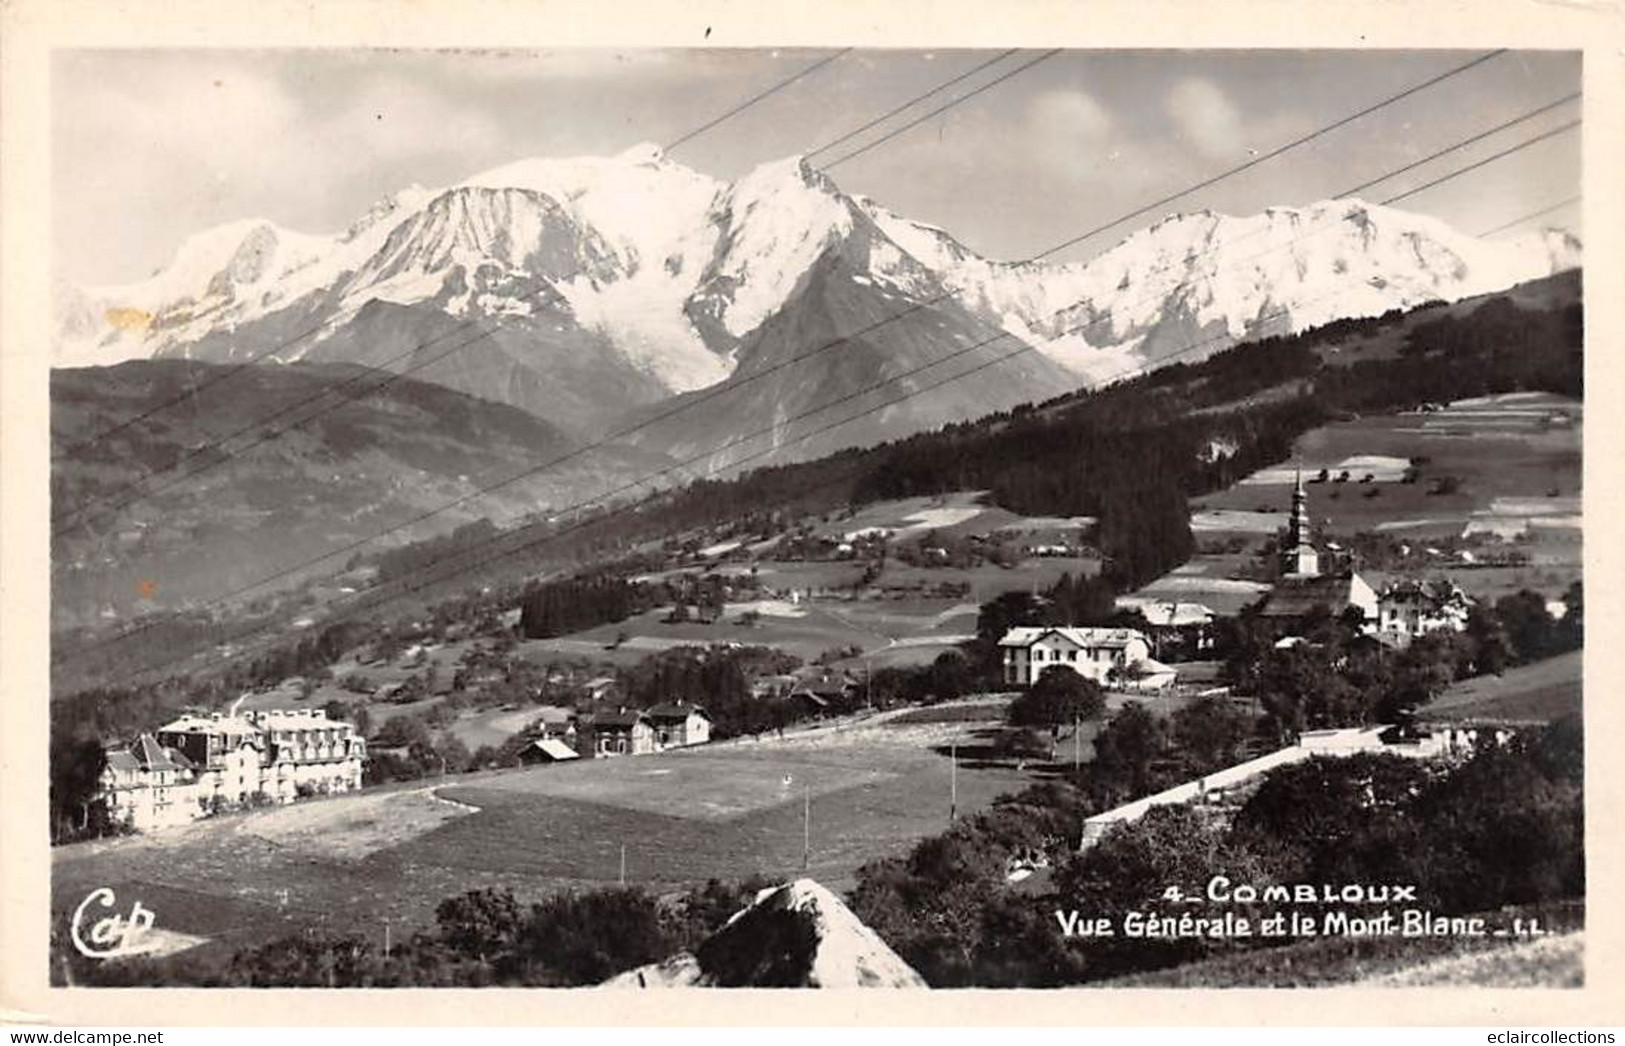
pixel 605 734
pixel 148 785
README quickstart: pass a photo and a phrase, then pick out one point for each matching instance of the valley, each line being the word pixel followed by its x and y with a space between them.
pixel 801 577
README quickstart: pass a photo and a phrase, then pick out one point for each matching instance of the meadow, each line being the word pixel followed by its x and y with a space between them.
pixel 350 863
pixel 1528 694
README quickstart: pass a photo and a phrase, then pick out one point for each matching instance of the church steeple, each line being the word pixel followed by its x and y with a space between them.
pixel 1298 555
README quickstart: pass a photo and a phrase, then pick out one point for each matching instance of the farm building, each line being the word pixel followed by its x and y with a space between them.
pixel 809 705
pixel 546 750
pixel 1411 608
pixel 606 734
pixel 678 724
pixel 1094 653
pixel 1147 676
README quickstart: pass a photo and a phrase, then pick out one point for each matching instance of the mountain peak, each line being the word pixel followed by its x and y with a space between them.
pixel 642 153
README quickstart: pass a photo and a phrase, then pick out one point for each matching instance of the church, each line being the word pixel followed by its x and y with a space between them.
pixel 1303 587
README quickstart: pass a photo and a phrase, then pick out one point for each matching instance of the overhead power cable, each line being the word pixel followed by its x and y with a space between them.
pixel 747 103
pixel 939 110
pixel 916 100
pixel 1532 215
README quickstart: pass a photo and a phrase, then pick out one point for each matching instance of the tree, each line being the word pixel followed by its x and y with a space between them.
pixel 1126 749
pixel 577 939
pixel 1528 624
pixel 1211 734
pixel 481 924
pixel 1571 627
pixel 453 753
pixel 1081 601
pixel 950 676
pixel 1421 673
pixel 76 769
pixel 1129 869
pixel 1316 817
pixel 1489 647
pixel 998 616
pixel 1060 696
pixel 404 730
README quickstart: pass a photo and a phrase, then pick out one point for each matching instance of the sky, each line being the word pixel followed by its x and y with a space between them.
pixel 151 146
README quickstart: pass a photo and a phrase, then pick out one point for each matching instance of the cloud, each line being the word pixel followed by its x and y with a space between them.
pixel 1070 115
pixel 1067 129
pixel 1205 118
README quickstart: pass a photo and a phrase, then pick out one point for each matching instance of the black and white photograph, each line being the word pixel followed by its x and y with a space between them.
pixel 814 517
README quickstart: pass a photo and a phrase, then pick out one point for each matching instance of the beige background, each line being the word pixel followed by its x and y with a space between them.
pixel 29 29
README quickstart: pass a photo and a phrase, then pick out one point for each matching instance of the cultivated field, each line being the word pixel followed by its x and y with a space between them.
pixel 1517 459
pixel 1508 452
pixel 347 864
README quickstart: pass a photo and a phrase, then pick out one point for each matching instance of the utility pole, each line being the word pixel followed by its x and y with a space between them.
pixel 623 864
pixel 953 781
pixel 1077 741
pixel 386 938
pixel 806 828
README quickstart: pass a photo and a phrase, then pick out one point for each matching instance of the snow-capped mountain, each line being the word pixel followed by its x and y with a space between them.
pixel 591 289
pixel 1207 279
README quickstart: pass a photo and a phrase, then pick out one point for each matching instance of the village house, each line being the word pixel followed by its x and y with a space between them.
pixel 824 691
pixel 605 734
pixel 196 765
pixel 1098 654
pixel 772 686
pixel 678 724
pixel 1409 608
pixel 553 723
pixel 1181 631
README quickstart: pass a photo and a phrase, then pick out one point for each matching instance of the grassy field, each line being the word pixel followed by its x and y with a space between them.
pixel 345 865
pixel 1529 694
